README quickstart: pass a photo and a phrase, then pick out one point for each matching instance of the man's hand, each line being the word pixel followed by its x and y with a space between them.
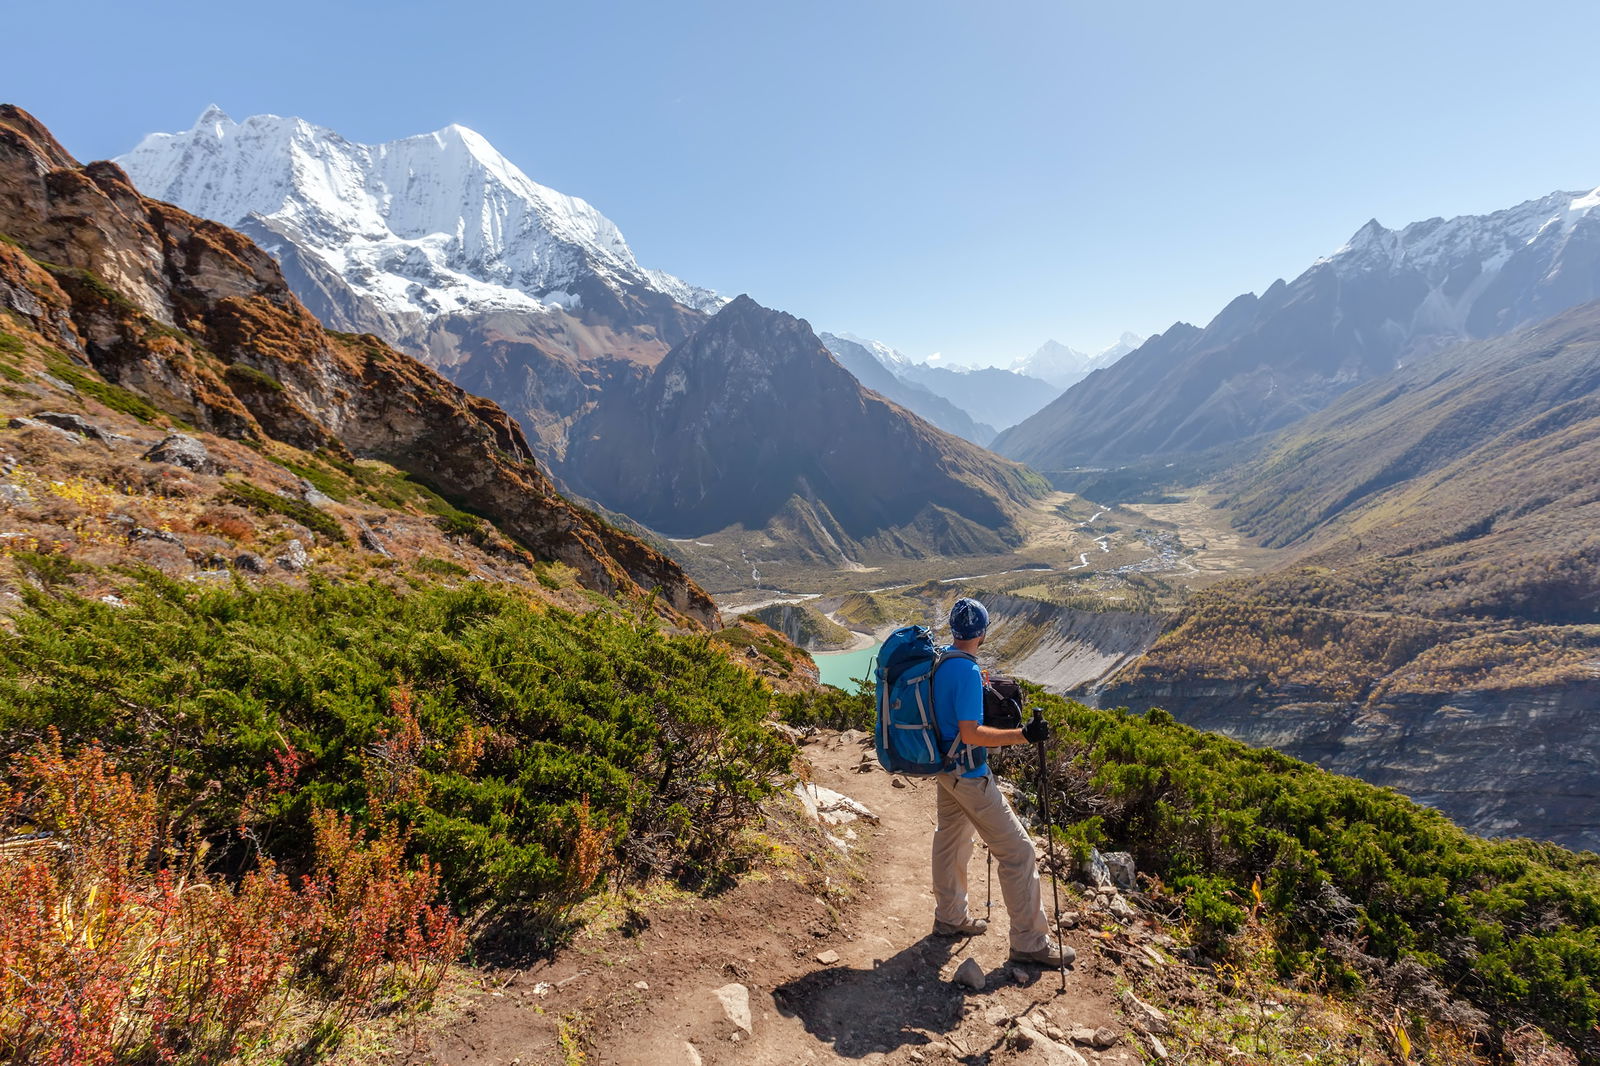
pixel 1036 731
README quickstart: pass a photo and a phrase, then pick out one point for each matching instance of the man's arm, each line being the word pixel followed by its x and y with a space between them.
pixel 977 735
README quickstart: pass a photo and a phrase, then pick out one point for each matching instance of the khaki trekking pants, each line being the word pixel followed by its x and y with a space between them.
pixel 968 803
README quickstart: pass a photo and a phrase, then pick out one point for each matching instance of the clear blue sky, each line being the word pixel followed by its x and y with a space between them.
pixel 963 177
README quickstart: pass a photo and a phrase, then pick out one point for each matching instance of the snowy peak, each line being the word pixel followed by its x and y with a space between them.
pixel 1062 366
pixel 1438 245
pixel 436 223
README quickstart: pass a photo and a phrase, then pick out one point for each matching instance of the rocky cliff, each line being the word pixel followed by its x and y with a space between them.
pixel 196 319
pixel 1061 648
pixel 1506 762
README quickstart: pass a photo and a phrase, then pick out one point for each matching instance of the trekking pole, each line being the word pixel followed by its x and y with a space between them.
pixel 988 902
pixel 1050 845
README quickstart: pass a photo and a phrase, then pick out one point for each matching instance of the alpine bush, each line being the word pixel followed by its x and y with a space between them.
pixel 529 751
pixel 1513 926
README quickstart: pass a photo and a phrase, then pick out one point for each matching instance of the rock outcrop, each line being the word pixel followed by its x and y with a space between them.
pixel 196 319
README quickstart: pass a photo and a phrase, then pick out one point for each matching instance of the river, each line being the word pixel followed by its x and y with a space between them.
pixel 842 668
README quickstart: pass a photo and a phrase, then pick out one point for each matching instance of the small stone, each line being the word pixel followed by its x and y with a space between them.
pixel 15 496
pixel 1019 976
pixel 916 1056
pixel 1067 920
pixel 294 557
pixel 898 782
pixel 250 562
pixel 969 973
pixel 643 986
pixel 1054 1033
pixel 691 1055
pixel 1157 1048
pixel 1146 1018
pixel 828 958
pixel 313 495
pixel 180 449
pixel 735 1001
pixel 1121 910
pixel 146 533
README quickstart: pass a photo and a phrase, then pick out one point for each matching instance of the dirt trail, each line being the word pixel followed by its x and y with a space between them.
pixel 645 995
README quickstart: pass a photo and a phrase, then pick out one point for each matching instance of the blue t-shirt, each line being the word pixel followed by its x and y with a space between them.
pixel 958 697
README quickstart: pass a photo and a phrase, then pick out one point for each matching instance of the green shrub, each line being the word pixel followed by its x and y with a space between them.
pixel 113 396
pixel 441 567
pixel 248 377
pixel 530 751
pixel 829 708
pixel 264 501
pixel 1511 925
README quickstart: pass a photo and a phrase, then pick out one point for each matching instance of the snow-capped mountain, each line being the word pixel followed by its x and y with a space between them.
pixel 1062 366
pixel 427 225
pixel 1266 361
pixel 444 248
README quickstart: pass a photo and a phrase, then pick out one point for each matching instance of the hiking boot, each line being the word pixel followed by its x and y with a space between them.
pixel 1046 956
pixel 970 927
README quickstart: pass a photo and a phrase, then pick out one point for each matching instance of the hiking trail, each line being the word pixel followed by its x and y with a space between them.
pixel 669 986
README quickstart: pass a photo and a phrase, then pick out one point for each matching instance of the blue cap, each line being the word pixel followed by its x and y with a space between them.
pixel 968 619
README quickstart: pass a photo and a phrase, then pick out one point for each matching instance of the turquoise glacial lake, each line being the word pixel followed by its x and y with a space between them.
pixel 842 668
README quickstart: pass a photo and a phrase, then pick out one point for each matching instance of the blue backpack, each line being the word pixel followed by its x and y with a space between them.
pixel 908 732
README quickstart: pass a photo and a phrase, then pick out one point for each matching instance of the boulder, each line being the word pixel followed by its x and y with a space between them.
pixel 250 563
pixel 1096 872
pixel 294 557
pixel 1122 870
pixel 74 424
pixel 33 423
pixel 370 539
pixel 180 449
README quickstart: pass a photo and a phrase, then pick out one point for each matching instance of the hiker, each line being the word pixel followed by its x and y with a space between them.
pixel 969 798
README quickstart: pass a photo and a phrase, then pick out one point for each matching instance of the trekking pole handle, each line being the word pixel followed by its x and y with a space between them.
pixel 1038 714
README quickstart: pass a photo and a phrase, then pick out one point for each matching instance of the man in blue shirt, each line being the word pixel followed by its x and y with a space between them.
pixel 969 799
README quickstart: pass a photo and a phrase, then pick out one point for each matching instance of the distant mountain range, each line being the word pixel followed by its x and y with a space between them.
pixel 632 395
pixel 871 364
pixel 1064 367
pixel 1384 298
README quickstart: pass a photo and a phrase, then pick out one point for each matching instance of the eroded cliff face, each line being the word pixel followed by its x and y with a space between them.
pixel 1518 762
pixel 198 320
pixel 1064 649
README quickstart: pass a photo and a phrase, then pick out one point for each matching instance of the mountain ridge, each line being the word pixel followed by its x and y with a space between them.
pixel 1266 361
pixel 199 321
